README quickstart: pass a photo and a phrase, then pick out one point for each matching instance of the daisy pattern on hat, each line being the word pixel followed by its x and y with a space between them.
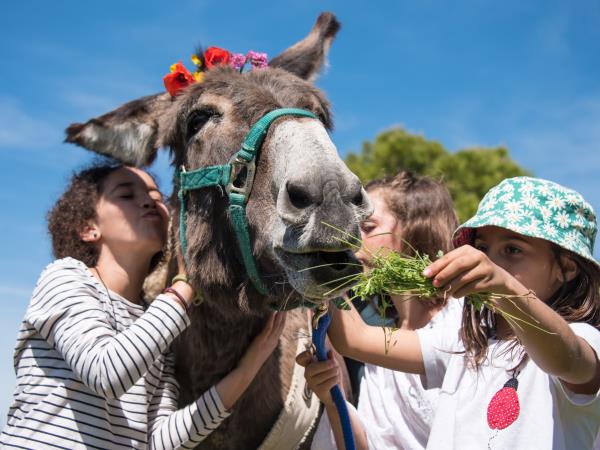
pixel 537 208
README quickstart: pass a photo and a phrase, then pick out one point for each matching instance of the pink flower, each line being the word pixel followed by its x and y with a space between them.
pixel 257 59
pixel 237 61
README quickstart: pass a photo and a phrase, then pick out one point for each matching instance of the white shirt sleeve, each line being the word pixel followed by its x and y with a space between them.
pixel 438 345
pixel 592 336
pixel 171 428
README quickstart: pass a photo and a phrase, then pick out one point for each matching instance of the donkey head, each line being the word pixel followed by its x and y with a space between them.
pixel 305 206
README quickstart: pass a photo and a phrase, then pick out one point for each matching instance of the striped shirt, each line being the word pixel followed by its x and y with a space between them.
pixel 94 371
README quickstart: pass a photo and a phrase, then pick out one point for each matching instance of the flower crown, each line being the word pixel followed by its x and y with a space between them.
pixel 180 77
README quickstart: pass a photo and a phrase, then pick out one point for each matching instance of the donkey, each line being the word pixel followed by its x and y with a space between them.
pixel 301 191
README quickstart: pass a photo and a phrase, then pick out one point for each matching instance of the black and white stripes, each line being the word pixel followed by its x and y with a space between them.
pixel 94 371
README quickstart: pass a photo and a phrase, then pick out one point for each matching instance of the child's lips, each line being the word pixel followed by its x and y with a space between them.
pixel 152 215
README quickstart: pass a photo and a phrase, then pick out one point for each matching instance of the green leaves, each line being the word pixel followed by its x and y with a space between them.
pixel 468 173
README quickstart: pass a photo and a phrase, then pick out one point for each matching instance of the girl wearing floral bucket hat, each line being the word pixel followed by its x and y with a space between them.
pixel 523 372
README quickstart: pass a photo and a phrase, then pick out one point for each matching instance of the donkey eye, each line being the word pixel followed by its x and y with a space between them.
pixel 197 120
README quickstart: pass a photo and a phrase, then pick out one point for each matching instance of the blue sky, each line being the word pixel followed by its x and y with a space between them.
pixel 470 72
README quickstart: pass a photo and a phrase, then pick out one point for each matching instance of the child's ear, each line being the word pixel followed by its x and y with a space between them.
pixel 90 233
pixel 569 268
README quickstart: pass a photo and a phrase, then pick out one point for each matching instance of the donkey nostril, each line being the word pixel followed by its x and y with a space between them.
pixel 298 198
pixel 358 198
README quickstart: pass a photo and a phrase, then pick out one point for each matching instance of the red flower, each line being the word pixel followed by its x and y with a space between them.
pixel 215 56
pixel 178 79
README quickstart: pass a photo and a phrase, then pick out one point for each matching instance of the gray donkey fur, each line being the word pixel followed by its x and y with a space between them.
pixel 300 184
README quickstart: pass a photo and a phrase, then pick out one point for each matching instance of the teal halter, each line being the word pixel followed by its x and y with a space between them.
pixel 225 176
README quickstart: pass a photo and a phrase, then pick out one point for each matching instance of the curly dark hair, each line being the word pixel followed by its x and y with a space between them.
pixel 75 208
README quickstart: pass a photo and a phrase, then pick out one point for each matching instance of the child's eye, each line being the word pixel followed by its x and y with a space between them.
pixel 481 247
pixel 512 250
pixel 126 195
pixel 367 228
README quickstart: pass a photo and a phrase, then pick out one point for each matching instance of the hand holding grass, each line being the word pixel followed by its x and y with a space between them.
pixel 462 272
pixel 466 270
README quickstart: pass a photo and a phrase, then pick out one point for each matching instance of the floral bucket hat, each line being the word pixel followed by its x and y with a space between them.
pixel 536 208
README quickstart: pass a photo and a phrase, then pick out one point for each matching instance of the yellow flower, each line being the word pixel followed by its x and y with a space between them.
pixel 198 76
pixel 196 61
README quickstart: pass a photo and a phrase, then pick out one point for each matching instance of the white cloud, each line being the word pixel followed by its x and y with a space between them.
pixel 21 129
pixel 101 92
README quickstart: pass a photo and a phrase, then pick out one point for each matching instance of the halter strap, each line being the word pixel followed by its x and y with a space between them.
pixel 226 176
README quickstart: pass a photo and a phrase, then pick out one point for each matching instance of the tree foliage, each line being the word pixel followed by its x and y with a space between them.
pixel 468 173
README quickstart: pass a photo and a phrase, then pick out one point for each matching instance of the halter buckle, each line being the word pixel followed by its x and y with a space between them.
pixel 238 165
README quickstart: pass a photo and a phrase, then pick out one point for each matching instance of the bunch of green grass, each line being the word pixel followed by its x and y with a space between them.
pixel 402 275
pixel 396 274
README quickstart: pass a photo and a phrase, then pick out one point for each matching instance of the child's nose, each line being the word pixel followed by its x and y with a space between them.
pixel 148 202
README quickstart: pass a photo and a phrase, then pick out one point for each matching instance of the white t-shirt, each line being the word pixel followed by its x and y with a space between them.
pixel 551 417
pixel 395 410
pixel 394 407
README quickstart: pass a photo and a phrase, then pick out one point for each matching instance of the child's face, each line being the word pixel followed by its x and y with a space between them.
pixel 380 231
pixel 131 215
pixel 530 260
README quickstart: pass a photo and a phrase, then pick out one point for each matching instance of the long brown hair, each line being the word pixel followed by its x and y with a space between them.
pixel 424 208
pixel 577 300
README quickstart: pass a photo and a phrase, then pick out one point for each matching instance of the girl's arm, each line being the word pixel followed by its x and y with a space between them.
pixel 546 336
pixel 321 376
pixel 66 312
pixel 232 387
pixel 393 349
pixel 170 428
pixel 185 428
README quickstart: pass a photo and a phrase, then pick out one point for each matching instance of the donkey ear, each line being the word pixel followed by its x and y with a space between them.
pixel 131 133
pixel 305 58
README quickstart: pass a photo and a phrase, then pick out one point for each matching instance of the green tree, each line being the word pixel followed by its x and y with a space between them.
pixel 468 173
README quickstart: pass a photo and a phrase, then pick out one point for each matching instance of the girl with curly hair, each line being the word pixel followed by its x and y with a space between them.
pixel 93 361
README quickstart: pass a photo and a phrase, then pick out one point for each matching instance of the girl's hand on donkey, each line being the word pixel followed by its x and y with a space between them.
pixel 466 270
pixel 320 376
pixel 265 342
pixel 232 387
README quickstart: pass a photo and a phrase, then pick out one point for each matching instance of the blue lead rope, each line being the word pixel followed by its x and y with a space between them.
pixel 318 339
